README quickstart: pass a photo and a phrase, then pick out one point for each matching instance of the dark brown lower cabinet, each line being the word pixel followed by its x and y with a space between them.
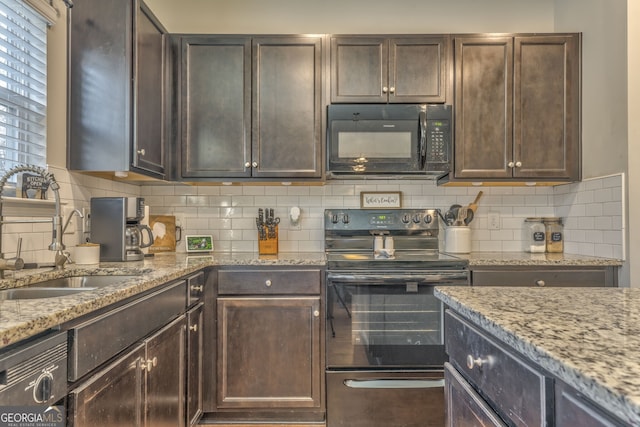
pixel 573 409
pixel 268 353
pixel 195 337
pixel 143 387
pixel 464 407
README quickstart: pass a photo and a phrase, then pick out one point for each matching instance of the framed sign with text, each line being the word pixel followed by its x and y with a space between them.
pixel 381 199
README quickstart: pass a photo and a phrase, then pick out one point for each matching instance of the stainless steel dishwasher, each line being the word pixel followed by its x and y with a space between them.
pixel 33 377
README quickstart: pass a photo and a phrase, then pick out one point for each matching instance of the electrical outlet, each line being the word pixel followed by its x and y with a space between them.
pixel 494 220
pixel 86 221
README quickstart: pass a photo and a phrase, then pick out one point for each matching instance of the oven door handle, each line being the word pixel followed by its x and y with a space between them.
pixel 394 383
pixel 436 277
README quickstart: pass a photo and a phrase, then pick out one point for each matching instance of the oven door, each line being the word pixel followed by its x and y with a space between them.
pixel 386 320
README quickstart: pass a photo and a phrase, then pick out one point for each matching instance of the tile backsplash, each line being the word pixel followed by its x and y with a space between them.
pixel 592 211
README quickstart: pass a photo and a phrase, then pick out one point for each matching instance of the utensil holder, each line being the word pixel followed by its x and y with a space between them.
pixel 457 239
pixel 268 245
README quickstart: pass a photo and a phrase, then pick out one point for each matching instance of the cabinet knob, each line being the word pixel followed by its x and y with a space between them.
pixel 540 283
pixel 316 313
pixel 473 362
pixel 149 364
pixel 392 89
pixel 511 164
pixel 247 165
pixel 254 164
pixel 142 152
pixel 518 164
pixel 193 328
pixel 268 283
pixel 385 89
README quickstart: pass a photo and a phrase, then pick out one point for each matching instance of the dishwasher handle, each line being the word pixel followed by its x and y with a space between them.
pixel 394 383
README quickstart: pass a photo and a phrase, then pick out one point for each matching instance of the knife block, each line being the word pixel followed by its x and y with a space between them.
pixel 268 246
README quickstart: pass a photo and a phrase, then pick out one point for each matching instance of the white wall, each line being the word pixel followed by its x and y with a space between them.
pixel 633 67
pixel 353 16
pixel 604 80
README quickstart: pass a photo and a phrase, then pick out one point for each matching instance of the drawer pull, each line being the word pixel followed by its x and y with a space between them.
pixel 394 383
pixel 471 362
pixel 540 283
pixel 193 328
pixel 268 283
pixel 195 288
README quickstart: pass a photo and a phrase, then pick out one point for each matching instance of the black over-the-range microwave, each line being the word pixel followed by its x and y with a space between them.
pixel 388 140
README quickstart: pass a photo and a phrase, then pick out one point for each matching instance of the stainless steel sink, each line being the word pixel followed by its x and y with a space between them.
pixel 63 286
pixel 84 281
pixel 31 292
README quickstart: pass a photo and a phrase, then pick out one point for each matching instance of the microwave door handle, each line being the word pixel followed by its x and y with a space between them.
pixel 423 137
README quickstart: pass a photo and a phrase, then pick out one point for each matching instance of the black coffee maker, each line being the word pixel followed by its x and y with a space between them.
pixel 115 225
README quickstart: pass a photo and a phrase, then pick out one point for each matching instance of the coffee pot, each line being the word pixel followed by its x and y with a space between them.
pixel 134 240
pixel 116 226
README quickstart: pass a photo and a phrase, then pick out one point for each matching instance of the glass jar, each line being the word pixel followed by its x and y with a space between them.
pixel 534 235
pixel 555 234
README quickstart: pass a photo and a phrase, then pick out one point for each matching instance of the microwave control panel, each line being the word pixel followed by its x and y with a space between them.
pixel 438 134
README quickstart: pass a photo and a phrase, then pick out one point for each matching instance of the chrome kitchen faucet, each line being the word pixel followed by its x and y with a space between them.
pixel 16 263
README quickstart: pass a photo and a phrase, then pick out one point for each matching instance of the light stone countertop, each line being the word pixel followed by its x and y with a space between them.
pixel 20 319
pixel 477 259
pixel 587 337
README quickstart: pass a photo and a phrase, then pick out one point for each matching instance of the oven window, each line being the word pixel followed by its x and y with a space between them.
pixel 384 326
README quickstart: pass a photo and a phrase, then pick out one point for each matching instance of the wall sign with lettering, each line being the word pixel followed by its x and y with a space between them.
pixel 381 199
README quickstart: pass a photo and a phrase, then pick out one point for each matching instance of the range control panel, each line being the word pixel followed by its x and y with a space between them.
pixel 371 219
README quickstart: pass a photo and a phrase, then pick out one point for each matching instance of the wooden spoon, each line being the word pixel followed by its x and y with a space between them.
pixel 474 205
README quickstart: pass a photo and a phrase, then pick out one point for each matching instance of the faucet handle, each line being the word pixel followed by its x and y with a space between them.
pixel 14 263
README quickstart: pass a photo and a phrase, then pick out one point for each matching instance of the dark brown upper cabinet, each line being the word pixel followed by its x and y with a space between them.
pixel 517 107
pixel 116 98
pixel 403 69
pixel 251 107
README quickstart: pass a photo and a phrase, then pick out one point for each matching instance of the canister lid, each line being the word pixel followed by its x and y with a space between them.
pixel 533 219
pixel 552 219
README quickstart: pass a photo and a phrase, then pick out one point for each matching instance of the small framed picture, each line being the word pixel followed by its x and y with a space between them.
pixel 199 244
pixel 381 199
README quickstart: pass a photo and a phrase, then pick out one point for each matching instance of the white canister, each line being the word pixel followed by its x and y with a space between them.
pixel 457 239
pixel 87 253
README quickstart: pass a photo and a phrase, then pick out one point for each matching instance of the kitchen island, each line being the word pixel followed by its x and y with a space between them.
pixel 586 338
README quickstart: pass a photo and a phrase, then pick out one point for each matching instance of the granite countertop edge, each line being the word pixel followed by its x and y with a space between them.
pixel 22 319
pixel 613 401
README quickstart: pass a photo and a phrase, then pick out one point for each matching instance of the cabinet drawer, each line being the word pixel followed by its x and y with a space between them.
pixel 195 289
pixel 94 342
pixel 503 379
pixel 267 281
pixel 573 409
pixel 564 277
pixel 464 406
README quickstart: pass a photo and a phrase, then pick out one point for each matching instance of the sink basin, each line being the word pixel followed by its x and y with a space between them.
pixel 62 286
pixel 35 292
pixel 83 281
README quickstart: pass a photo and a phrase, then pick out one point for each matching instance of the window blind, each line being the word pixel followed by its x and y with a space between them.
pixel 23 85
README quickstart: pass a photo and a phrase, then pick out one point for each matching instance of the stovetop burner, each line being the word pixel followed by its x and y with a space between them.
pixel 350 236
